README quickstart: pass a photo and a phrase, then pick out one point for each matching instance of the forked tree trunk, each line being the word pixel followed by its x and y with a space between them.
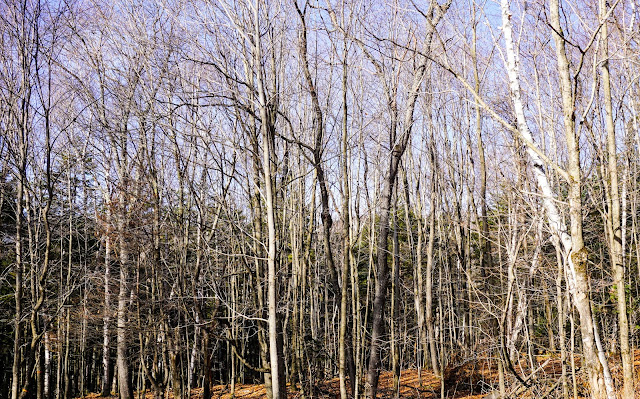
pixel 614 225
pixel 572 244
pixel 278 384
pixel 382 267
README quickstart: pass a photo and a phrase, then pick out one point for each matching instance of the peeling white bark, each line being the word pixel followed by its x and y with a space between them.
pixel 571 244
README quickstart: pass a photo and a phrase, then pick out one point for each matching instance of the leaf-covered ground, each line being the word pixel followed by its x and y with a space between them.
pixel 470 380
pixel 410 387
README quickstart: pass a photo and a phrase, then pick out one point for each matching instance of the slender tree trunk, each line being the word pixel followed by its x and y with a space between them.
pixel 106 318
pixel 346 239
pixel 395 304
pixel 382 267
pixel 206 392
pixel 83 345
pixel 575 250
pixel 175 363
pixel 615 231
pixel 433 351
pixel 572 244
pixel 419 295
pixel 125 387
pixel 47 365
pixel 485 245
pixel 561 321
pixel 278 384
pixel 380 296
pixel 17 337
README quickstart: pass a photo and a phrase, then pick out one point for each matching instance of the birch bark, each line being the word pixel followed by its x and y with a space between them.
pixel 572 243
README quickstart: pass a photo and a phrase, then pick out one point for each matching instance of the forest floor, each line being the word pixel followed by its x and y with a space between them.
pixel 469 380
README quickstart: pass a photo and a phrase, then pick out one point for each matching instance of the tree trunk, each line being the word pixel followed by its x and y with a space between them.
pixel 17 338
pixel 395 305
pixel 106 318
pixel 574 251
pixel 278 384
pixel 614 225
pixel 433 351
pixel 125 387
pixel 382 267
pixel 346 240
